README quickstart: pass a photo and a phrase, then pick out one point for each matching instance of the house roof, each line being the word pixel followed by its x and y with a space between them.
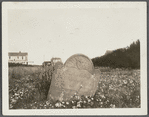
pixel 55 59
pixel 17 54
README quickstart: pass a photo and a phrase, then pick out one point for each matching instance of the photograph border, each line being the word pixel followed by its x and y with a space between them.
pixel 142 6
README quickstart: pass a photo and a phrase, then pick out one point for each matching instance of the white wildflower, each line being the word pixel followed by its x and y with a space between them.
pixel 58 104
pixel 89 100
pixel 67 103
pixel 102 96
pixel 14 101
pixel 112 106
pixel 72 101
pixel 78 104
pixel 47 102
pixel 16 94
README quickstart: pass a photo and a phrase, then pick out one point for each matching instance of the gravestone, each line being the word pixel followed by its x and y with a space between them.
pixel 76 76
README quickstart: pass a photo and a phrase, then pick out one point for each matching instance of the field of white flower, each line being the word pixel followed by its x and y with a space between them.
pixel 117 88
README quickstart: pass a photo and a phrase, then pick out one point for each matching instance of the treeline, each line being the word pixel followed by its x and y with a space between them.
pixel 121 58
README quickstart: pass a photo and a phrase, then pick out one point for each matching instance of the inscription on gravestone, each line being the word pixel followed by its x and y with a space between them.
pixel 76 76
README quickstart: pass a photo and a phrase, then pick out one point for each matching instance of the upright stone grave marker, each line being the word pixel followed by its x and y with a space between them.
pixel 75 77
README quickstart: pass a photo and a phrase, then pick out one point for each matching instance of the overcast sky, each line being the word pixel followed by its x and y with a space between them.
pixel 61 32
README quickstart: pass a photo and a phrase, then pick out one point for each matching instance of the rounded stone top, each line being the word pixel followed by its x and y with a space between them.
pixel 80 62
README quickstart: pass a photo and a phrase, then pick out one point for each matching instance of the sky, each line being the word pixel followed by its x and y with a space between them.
pixel 47 33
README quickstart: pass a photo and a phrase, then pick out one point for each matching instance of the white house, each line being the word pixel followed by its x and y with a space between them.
pixel 55 60
pixel 18 57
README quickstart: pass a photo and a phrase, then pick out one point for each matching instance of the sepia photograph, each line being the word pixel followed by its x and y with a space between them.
pixel 74 58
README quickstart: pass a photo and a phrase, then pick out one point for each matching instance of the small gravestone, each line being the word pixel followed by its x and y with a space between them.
pixel 76 76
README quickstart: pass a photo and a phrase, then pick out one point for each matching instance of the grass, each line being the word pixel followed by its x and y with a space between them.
pixel 117 88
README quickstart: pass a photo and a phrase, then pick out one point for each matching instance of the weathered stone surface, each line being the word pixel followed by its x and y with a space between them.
pixel 75 77
pixel 81 62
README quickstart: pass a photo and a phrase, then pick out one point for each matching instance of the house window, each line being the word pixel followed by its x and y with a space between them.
pixel 9 57
pixel 22 57
pixel 18 57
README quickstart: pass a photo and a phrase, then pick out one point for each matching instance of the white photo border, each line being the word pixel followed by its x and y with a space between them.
pixel 142 6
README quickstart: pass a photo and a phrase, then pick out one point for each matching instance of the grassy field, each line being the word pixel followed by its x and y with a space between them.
pixel 117 88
